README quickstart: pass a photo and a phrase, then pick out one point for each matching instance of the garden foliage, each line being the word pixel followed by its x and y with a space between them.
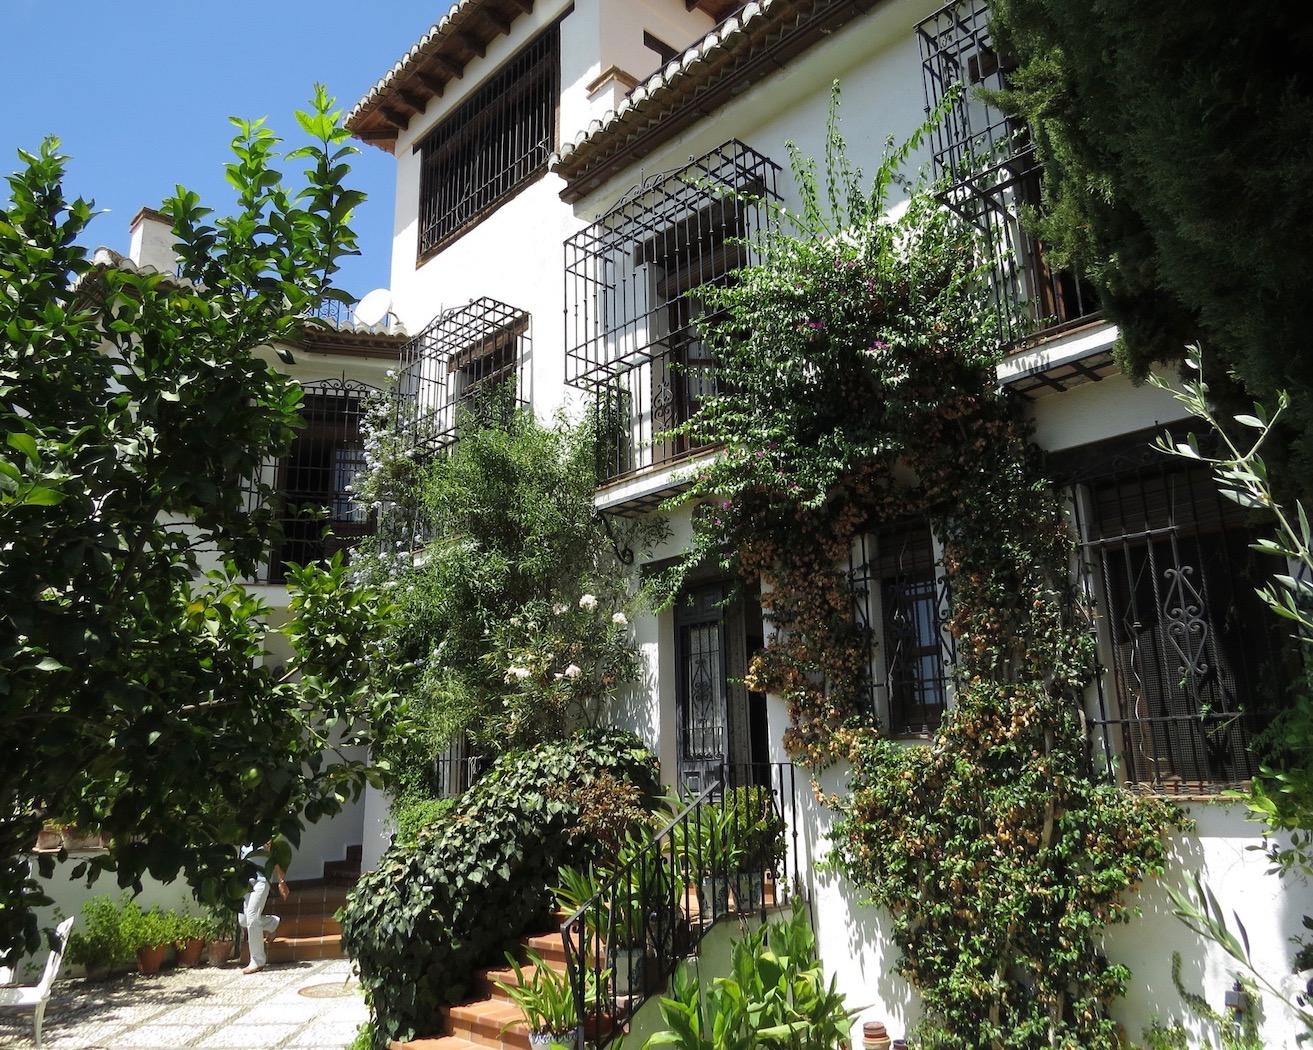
pixel 430 914
pixel 1177 142
pixel 775 995
pixel 858 388
pixel 137 413
pixel 515 609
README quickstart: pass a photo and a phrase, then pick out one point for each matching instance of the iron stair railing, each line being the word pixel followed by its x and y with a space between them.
pixel 732 851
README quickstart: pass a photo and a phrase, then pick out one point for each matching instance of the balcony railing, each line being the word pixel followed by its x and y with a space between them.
pixel 312 505
pixel 731 851
pixel 469 365
pixel 986 159
pixel 633 312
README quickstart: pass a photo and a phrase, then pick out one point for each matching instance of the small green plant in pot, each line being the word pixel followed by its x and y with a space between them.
pixel 546 1001
pixel 711 853
pixel 759 826
pixel 191 939
pixel 97 943
pixel 150 934
pixel 220 931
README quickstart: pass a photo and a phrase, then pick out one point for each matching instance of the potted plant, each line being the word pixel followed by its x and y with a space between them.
pixel 97 943
pixel 759 826
pixel 219 928
pixel 150 934
pixel 545 1000
pixel 710 850
pixel 190 941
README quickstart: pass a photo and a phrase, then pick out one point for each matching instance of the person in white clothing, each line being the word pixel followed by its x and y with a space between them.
pixel 253 919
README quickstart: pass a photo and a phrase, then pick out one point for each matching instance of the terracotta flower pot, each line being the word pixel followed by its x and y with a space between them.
pixel 48 839
pixel 220 952
pixel 190 952
pixel 149 960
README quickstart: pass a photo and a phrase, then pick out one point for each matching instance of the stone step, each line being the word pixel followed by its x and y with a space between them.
pixel 489 1022
pixel 549 946
pixel 438 1042
pixel 308 924
pixel 304 949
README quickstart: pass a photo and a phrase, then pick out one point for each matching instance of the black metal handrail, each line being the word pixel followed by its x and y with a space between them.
pixel 732 850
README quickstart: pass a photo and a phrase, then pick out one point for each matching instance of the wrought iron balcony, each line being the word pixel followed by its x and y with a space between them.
pixel 468 366
pixel 314 510
pixel 732 851
pixel 633 312
pixel 987 161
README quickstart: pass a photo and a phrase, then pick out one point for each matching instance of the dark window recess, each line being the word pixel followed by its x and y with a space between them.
pixel 992 175
pixel 316 514
pixel 663 50
pixel 1190 649
pixel 495 142
pixel 632 308
pixel 468 365
pixel 900 601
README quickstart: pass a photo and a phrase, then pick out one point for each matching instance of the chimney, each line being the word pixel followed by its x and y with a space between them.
pixel 152 241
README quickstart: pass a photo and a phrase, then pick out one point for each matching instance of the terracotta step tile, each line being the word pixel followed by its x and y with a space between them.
pixel 485 1022
pixel 441 1042
pixel 549 946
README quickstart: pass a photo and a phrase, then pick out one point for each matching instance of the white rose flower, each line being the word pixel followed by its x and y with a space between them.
pixel 517 674
pixel 588 602
pixel 559 609
pixel 620 619
pixel 573 671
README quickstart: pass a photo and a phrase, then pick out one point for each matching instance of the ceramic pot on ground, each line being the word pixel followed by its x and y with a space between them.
pixel 627 977
pixel 713 898
pixel 220 952
pixel 149 960
pixel 875 1036
pixel 189 954
pixel 747 891
pixel 541 1040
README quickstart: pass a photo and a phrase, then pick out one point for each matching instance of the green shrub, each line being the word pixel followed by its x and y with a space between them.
pixel 430 914
pixel 412 814
pixel 97 941
pixel 775 995
pixel 148 929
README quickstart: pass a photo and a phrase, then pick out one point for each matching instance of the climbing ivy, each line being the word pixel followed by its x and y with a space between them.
pixel 858 387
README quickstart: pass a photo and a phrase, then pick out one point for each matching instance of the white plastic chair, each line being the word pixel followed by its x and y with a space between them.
pixel 35 996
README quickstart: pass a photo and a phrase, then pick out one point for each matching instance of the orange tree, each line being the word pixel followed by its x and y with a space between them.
pixel 857 385
pixel 136 413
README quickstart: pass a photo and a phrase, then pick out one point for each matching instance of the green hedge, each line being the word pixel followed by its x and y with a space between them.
pixel 430 914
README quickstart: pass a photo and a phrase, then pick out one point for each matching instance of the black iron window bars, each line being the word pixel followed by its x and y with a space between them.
pixel 632 312
pixel 493 144
pixel 901 601
pixel 987 161
pixel 469 364
pixel 314 511
pixel 731 851
pixel 1187 650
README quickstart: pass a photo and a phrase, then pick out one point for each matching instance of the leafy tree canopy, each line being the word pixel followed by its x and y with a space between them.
pixel 136 413
pixel 1178 145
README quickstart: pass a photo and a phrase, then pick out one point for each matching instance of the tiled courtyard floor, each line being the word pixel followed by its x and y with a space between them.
pixel 204 1007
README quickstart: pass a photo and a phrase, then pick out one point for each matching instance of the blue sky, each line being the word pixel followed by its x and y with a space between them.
pixel 139 91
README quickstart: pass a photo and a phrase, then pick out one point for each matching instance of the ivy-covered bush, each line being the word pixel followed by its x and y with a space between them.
pixel 430 914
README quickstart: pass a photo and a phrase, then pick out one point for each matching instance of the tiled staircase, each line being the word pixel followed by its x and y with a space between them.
pixel 479 1021
pixel 308 930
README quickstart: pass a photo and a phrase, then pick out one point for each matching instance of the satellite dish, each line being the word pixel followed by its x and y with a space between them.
pixel 374 307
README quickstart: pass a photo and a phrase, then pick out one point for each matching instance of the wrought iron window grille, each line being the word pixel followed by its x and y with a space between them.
pixel 901 606
pixel 314 511
pixel 1187 651
pixel 468 367
pixel 991 174
pixel 495 142
pixel 632 317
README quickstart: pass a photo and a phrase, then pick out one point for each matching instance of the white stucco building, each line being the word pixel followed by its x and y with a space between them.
pixel 548 225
